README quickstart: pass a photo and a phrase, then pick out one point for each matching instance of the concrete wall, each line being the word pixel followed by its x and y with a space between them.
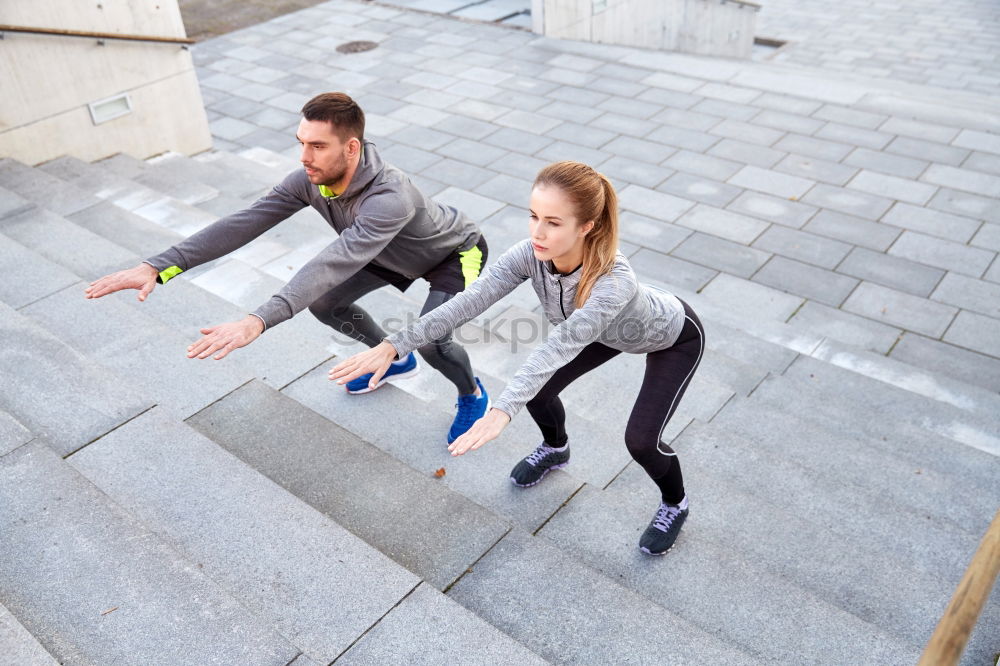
pixel 707 27
pixel 47 82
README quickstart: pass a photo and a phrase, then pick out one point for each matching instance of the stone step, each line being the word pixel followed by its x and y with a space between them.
pixel 446 630
pixel 869 583
pixel 54 237
pixel 732 597
pixel 12 203
pixel 169 180
pixel 149 356
pixel 273 553
pixel 101 182
pixel 37 277
pixel 94 585
pixel 415 435
pixel 255 164
pixel 407 514
pixel 569 613
pixel 926 537
pixel 214 175
pixel 57 393
pixel 126 229
pixel 978 430
pixel 20 648
pixel 12 433
pixel 902 438
pixel 42 189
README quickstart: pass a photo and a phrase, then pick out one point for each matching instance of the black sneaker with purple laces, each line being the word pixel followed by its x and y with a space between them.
pixel 664 528
pixel 533 469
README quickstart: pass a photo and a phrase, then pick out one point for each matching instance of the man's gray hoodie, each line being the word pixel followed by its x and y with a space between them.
pixel 381 218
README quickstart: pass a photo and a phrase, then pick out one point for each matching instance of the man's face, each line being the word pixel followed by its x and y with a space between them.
pixel 324 155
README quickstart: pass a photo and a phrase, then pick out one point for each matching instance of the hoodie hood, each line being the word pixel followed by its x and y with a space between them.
pixel 370 168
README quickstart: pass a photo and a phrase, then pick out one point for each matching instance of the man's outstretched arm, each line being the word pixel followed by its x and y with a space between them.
pixel 142 277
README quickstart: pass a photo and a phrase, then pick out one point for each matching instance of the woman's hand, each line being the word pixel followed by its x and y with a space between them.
pixel 484 430
pixel 375 360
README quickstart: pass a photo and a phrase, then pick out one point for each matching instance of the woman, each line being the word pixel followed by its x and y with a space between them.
pixel 589 291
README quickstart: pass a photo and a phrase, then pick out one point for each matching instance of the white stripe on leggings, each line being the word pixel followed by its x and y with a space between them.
pixel 701 349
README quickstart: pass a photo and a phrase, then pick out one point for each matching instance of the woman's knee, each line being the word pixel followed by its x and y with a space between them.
pixel 645 447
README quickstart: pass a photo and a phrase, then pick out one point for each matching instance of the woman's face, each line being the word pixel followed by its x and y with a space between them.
pixel 554 229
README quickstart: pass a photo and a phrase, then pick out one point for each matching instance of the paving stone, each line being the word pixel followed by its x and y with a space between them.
pixel 586 136
pixel 19 645
pixel 965 180
pixel 655 265
pixel 595 527
pixel 895 308
pixel 852 230
pixel 671 98
pixel 514 139
pixel 562 150
pixel 682 138
pixel 802 246
pixel 848 201
pixel 459 174
pixel 890 271
pixel 722 223
pixel 750 299
pixel 886 163
pixel 787 122
pixel 935 223
pixel 619 124
pixel 699 189
pixel 42 189
pixel 238 526
pixel 482 477
pixel 721 255
pixel 447 630
pixel 778 102
pixel 942 253
pixel 813 147
pixel 927 150
pixel 651 203
pixel 969 294
pixel 408 158
pixel 420 137
pixel 579 600
pixel 702 165
pixel 519 166
pixel 918 130
pixel 636 149
pixel 65 398
pixel 901 189
pixel 849 116
pixel 806 280
pixel 774 209
pixel 746 153
pixel 987 237
pixel 691 120
pixel 983 162
pixel 771 182
pixel 468 128
pixel 514 191
pixel 475 206
pixel 654 234
pixel 115 592
pixel 672 82
pixel 845 327
pixel 37 276
pixel 854 136
pixel 963 203
pixel 976 140
pixel 12 435
pixel 438 533
pixel 725 109
pixel 816 169
pixel 633 171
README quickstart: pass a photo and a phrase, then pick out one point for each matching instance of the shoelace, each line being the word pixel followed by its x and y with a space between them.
pixel 665 516
pixel 466 411
pixel 538 454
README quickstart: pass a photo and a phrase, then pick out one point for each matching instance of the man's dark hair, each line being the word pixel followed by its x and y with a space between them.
pixel 342 112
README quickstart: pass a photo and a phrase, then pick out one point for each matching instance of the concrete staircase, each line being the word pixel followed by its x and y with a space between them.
pixel 160 510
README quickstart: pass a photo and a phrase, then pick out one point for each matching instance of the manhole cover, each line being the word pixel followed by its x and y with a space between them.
pixel 356 47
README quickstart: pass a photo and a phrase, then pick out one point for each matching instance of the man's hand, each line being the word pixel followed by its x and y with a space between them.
pixel 224 338
pixel 484 430
pixel 375 360
pixel 142 277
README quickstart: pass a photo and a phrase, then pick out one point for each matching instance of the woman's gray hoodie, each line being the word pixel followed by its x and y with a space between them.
pixel 381 218
pixel 620 313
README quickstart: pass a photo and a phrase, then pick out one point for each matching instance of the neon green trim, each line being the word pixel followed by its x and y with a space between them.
pixel 472 262
pixel 168 273
pixel 327 192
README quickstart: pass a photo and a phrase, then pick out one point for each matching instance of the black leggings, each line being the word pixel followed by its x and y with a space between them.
pixel 668 373
pixel 338 310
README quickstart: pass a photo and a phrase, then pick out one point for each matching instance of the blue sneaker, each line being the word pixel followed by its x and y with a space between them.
pixel 406 367
pixel 470 410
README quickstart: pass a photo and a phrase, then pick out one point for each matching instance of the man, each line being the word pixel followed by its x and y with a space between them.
pixel 389 234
